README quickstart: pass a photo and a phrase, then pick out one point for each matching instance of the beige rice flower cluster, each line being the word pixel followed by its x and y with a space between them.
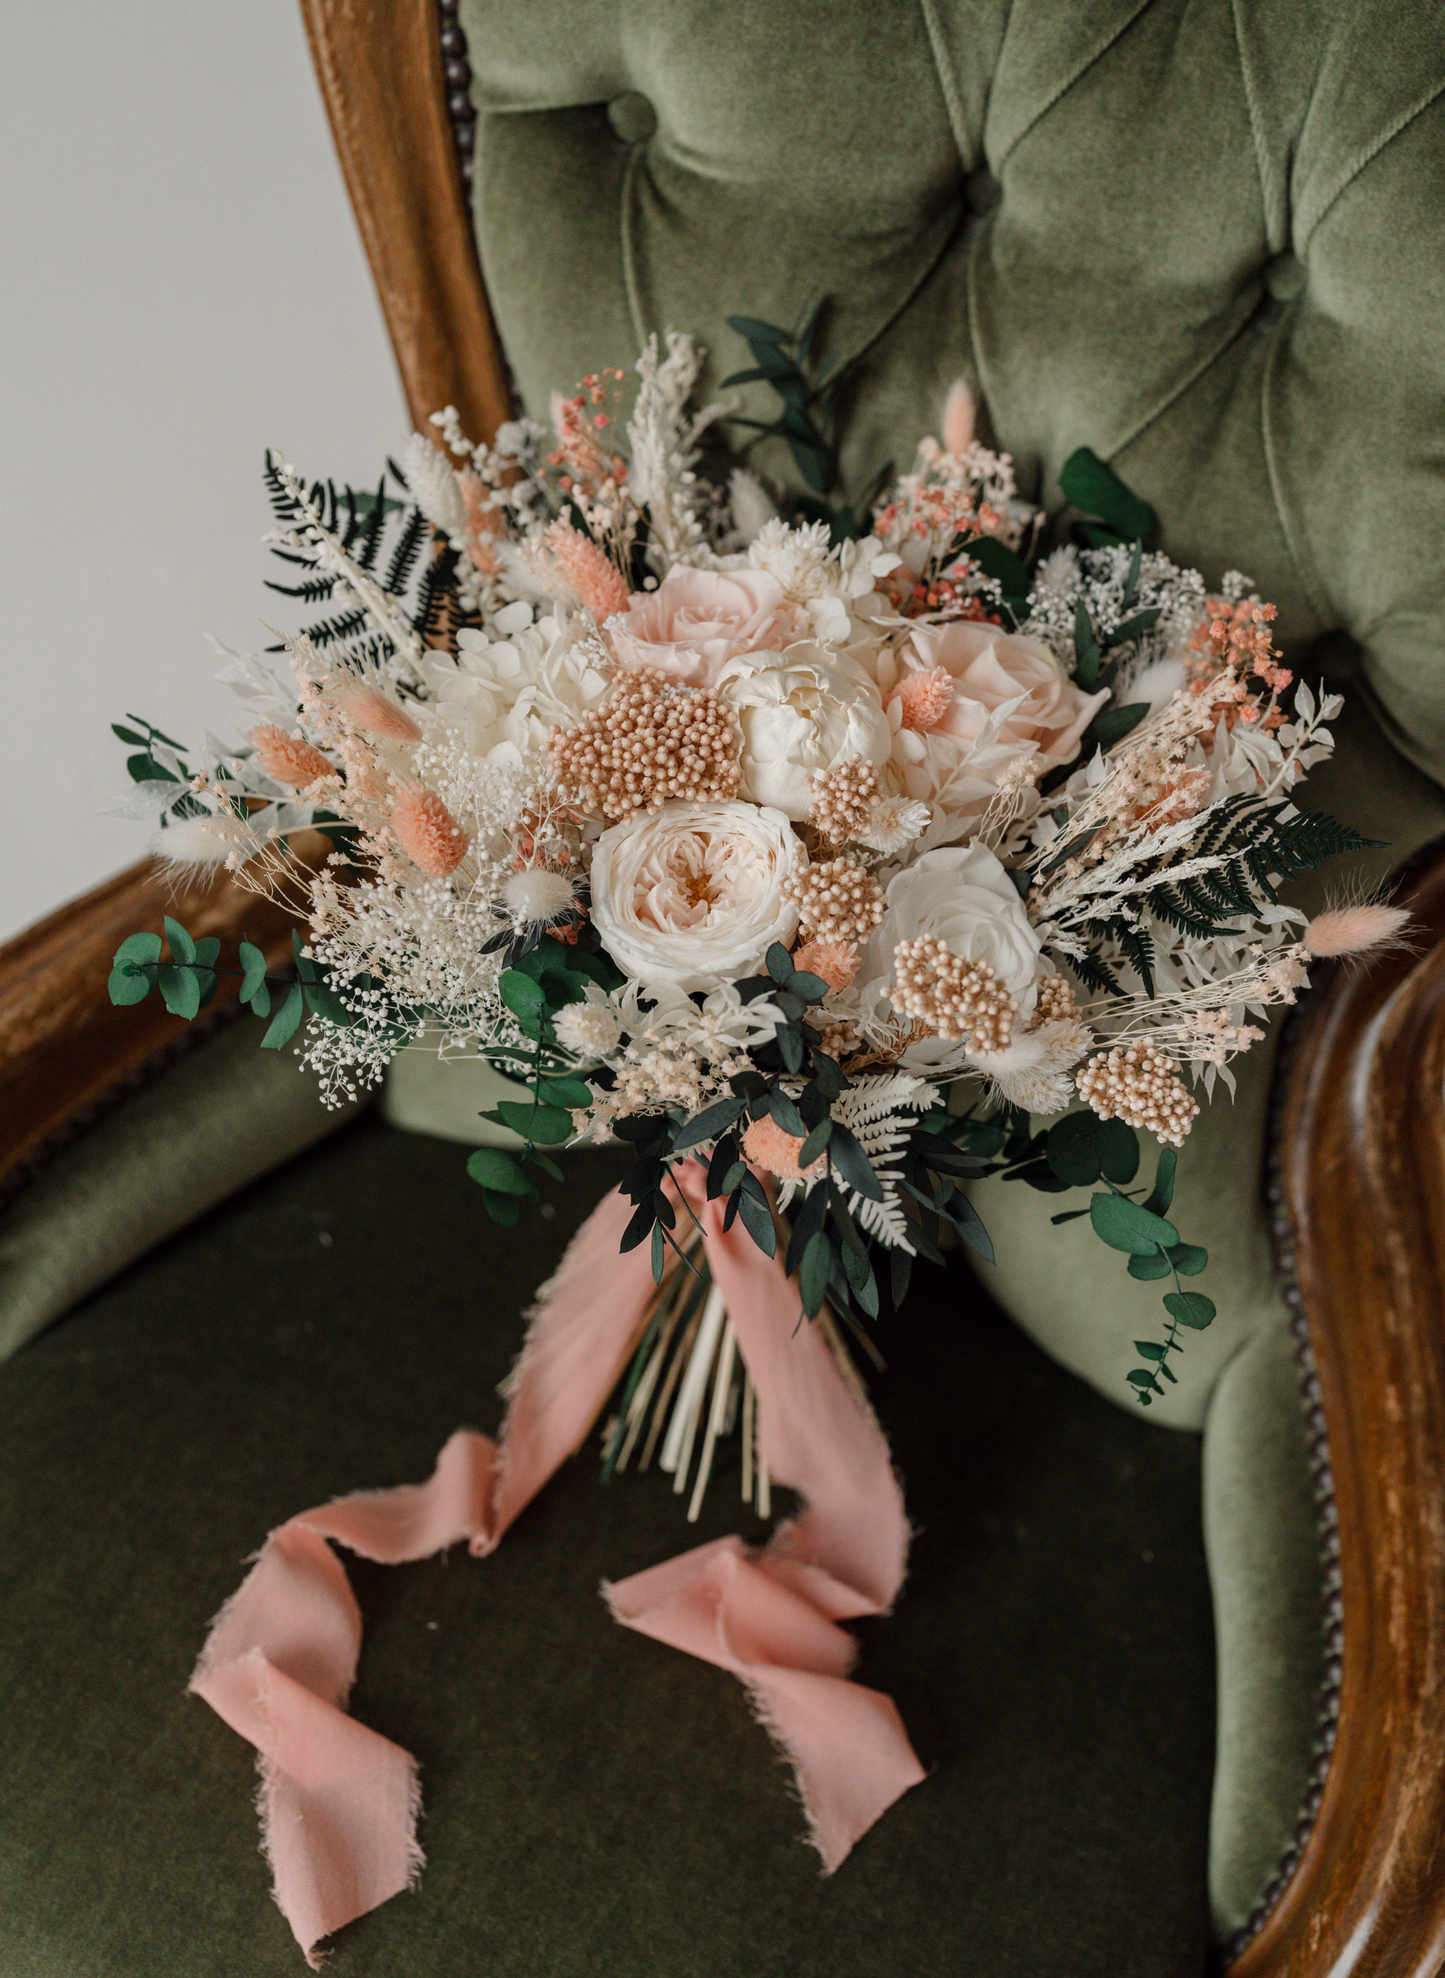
pixel 843 799
pixel 837 900
pixel 956 998
pixel 1139 1085
pixel 1056 1000
pixel 648 742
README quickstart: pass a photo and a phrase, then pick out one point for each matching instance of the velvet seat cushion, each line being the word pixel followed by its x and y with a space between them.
pixel 594 1801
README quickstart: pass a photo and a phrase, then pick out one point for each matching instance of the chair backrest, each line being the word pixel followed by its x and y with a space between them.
pixel 1172 232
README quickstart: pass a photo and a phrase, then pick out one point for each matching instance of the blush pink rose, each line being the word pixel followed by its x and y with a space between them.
pixel 697 620
pixel 952 681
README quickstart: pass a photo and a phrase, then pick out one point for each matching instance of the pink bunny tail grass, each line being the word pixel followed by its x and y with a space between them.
pixel 958 417
pixel 286 758
pixel 375 715
pixel 1366 928
pixel 592 575
pixel 428 833
pixel 925 697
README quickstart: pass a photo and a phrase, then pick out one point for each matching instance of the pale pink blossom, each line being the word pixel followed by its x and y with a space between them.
pixel 697 620
pixel 1006 696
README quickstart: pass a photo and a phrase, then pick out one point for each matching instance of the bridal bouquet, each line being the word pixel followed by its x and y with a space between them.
pixel 832 860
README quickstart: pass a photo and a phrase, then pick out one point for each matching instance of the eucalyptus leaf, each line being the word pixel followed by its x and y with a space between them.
pixel 130 982
pixel 1123 1225
pixel 182 947
pixel 496 1169
pixel 1191 1308
pixel 181 990
pixel 287 1018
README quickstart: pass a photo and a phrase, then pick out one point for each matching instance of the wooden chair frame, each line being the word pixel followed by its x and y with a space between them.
pixel 1359 1164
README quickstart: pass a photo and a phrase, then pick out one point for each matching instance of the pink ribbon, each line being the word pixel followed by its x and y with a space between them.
pixel 339 1803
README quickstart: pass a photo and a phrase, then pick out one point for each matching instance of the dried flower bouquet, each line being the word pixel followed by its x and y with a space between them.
pixel 833 861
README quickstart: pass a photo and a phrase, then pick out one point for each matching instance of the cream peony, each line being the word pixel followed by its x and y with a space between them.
pixel 508 694
pixel 697 620
pixel 1009 697
pixel 964 897
pixel 692 894
pixel 800 712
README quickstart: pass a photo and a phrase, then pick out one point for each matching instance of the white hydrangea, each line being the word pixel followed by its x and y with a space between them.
pixel 508 694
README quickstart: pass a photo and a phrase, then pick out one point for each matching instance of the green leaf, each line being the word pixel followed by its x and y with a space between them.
pixel 286 1020
pixel 183 948
pixel 816 1141
pixel 707 1124
pixel 1191 1308
pixel 1162 1193
pixel 997 560
pixel 130 982
pixel 1156 1264
pixel 1189 1259
pixel 129 735
pixel 970 1226
pixel 1141 1377
pixel 503 1209
pixel 1118 1151
pixel 181 990
pixel 786 1113
pixel 253 963
pixel 574 1093
pixel 659 1252
pixel 524 997
pixel 1071 1149
pixel 752 331
pixel 1148 1349
pixel 145 769
pixel 549 1124
pixel 1123 1225
pixel 757 1220
pixel 1068 1216
pixel 1087 654
pixel 812 988
pixel 261 1000
pixel 814 1272
pixel 1094 488
pixel 779 964
pixel 496 1169
pixel 208 950
pixel 853 1164
pixel 1114 723
pixel 138 948
pixel 323 1001
pixel 1141 622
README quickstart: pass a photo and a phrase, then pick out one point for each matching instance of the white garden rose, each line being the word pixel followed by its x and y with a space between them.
pixel 509 694
pixel 692 894
pixel 963 897
pixel 801 712
pixel 697 620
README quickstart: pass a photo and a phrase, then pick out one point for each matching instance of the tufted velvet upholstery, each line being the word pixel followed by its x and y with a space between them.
pixel 1204 239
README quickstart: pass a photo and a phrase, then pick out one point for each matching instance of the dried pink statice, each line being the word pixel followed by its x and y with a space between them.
pixel 1139 1085
pixel 924 698
pixel 775 1150
pixel 834 962
pixel 649 742
pixel 954 997
pixel 428 833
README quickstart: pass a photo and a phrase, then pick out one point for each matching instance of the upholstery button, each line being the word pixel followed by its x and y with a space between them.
pixel 1284 277
pixel 632 117
pixel 982 191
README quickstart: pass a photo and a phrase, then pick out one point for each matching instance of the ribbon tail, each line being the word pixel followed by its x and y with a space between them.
pixel 772 1617
pixel 339 1803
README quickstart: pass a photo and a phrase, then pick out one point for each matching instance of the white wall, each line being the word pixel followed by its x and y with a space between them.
pixel 181 285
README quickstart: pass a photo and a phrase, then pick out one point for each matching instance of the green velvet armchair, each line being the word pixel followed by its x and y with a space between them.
pixel 1179 1680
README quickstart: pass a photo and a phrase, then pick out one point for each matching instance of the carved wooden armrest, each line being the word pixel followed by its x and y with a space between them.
pixel 1360 1215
